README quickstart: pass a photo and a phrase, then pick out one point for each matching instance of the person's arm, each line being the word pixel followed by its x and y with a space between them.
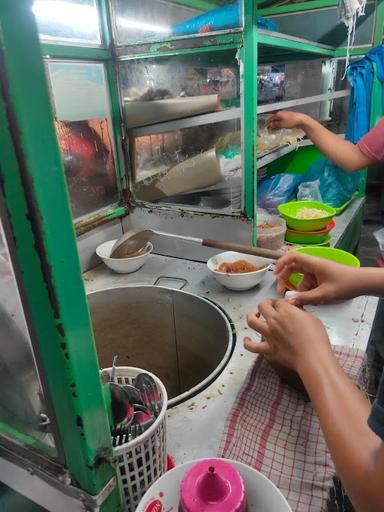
pixel 341 152
pixel 325 281
pixel 358 453
pixel 298 340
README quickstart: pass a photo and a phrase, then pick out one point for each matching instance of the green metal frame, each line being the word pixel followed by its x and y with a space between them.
pixel 47 259
pixel 378 34
pixel 255 47
pixel 249 63
pixel 179 45
pixel 46 255
pixel 113 87
pixel 103 54
pixel 66 51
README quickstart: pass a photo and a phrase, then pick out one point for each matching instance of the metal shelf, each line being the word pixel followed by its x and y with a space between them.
pixel 266 159
pixel 186 122
pixel 272 44
pixel 281 105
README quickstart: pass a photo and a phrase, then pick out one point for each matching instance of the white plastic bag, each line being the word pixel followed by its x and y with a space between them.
pixel 379 235
pixel 309 191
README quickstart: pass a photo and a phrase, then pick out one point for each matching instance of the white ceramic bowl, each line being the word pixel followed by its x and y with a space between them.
pixel 238 282
pixel 262 494
pixel 122 265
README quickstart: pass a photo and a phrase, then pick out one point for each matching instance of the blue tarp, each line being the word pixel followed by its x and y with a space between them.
pixel 222 18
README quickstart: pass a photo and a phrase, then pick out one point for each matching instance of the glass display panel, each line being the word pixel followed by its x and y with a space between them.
pixel 325 26
pixel 197 167
pixel 83 126
pixel 22 404
pixel 294 80
pixel 159 90
pixel 142 20
pixel 182 116
pixel 71 21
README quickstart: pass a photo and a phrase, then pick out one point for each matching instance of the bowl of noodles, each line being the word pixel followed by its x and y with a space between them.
pixel 306 215
pixel 238 271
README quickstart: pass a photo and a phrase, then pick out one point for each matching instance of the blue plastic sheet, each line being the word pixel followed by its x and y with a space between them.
pixel 377 55
pixel 222 18
pixel 277 189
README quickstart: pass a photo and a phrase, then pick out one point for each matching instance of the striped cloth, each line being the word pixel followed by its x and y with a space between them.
pixel 273 428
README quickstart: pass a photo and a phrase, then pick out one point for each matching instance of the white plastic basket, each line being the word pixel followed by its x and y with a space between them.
pixel 143 460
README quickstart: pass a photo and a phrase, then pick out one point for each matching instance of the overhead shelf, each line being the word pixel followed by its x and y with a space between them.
pixel 187 122
pixel 282 105
pixel 273 45
pixel 266 158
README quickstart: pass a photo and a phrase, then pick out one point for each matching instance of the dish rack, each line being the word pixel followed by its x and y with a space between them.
pixel 141 461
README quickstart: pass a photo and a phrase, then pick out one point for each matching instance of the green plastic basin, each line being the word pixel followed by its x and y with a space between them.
pixel 327 253
pixel 289 211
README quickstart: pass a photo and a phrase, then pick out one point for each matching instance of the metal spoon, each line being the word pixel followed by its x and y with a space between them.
pixel 149 392
pixel 133 394
pixel 135 239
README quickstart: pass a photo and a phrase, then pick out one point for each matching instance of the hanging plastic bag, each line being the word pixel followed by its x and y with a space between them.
pixel 309 191
pixel 336 186
pixel 266 140
pixel 379 235
pixel 276 190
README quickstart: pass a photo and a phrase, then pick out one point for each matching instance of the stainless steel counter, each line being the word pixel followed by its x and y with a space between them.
pixel 196 426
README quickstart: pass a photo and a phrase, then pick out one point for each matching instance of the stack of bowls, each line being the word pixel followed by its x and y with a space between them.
pixel 311 231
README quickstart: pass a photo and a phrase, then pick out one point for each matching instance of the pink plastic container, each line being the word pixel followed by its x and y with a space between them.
pixel 212 485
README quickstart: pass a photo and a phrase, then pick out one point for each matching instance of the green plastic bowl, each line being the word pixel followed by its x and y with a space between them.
pixel 326 243
pixel 289 210
pixel 327 253
pixel 301 238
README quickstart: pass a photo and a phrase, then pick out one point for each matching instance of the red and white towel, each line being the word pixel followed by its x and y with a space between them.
pixel 273 428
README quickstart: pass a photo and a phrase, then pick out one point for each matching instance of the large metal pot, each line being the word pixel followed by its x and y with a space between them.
pixel 182 338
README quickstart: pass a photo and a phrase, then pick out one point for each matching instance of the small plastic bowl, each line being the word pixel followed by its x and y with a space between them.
pixel 238 282
pixel 270 237
pixel 309 237
pixel 122 265
pixel 326 243
pixel 289 211
pixel 327 253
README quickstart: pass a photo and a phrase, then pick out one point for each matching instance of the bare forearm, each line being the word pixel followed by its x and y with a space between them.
pixel 368 281
pixel 341 152
pixel 343 412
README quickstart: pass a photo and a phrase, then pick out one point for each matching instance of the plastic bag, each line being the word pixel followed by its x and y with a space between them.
pixel 336 186
pixel 276 190
pixel 267 140
pixel 379 235
pixel 309 191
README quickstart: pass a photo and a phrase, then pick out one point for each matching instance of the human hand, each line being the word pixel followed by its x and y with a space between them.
pixel 286 119
pixel 324 281
pixel 291 337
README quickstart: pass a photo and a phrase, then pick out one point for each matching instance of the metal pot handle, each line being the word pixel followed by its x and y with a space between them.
pixel 182 282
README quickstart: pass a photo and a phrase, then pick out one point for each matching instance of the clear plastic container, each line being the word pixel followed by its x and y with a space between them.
pixel 270 230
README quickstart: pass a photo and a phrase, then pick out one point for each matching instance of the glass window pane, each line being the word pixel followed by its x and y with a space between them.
pixel 199 167
pixel 323 26
pixel 294 80
pixel 71 21
pixel 83 126
pixel 193 157
pixel 143 20
pixel 21 399
pixel 158 90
